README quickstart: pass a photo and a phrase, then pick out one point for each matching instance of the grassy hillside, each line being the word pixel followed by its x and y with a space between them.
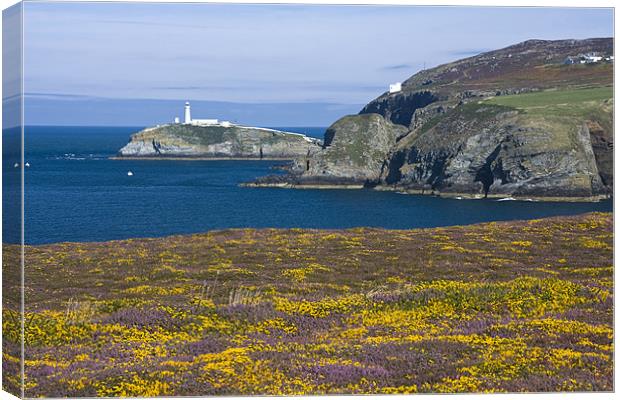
pixel 569 106
pixel 519 306
pixel 530 64
pixel 571 102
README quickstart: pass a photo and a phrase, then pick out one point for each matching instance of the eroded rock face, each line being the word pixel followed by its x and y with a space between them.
pixel 355 149
pixel 498 152
pixel 400 107
pixel 603 146
pixel 218 141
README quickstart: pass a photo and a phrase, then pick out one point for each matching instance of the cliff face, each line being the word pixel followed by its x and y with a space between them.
pixel 512 122
pixel 400 108
pixel 218 141
pixel 499 152
pixel 355 149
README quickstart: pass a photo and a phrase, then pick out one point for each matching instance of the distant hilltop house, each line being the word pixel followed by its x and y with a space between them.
pixel 396 87
pixel 187 120
pixel 588 58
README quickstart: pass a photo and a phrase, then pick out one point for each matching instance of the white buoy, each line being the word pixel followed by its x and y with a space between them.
pixel 129 173
pixel 16 165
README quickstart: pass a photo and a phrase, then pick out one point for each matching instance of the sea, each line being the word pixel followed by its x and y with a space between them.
pixel 74 192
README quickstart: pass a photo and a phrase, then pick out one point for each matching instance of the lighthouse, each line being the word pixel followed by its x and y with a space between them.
pixel 188 115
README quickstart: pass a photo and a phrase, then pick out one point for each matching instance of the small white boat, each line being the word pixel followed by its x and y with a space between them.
pixel 16 165
pixel 507 199
pixel 27 164
pixel 129 173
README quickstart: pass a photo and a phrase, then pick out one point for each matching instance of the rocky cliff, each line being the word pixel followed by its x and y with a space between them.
pixel 515 122
pixel 486 149
pixel 216 141
pixel 355 149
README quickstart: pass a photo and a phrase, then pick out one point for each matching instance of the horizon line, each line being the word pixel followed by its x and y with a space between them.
pixel 73 97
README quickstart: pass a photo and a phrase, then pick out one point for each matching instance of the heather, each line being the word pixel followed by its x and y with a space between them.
pixel 495 307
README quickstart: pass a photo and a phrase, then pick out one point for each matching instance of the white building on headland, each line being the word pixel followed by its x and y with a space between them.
pixel 200 122
pixel 592 58
pixel 396 87
pixel 589 58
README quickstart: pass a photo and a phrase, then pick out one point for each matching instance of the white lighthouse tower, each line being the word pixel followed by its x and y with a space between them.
pixel 188 115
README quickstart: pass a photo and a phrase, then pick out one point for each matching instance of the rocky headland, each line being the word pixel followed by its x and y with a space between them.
pixel 517 122
pixel 216 141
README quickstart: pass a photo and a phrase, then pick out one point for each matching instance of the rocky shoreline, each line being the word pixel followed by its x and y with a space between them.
pixel 454 195
pixel 288 185
pixel 199 158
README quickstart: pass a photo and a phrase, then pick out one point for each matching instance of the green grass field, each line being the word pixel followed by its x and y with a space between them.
pixel 564 109
pixel 552 98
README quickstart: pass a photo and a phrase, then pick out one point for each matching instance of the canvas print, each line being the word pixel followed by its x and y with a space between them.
pixel 206 199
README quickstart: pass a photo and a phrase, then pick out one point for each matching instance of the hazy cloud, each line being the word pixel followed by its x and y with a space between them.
pixel 398 66
pixel 467 53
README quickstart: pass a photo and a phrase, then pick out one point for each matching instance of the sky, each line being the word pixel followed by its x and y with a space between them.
pixel 99 62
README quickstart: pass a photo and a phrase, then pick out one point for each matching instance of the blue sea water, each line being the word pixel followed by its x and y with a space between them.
pixel 73 192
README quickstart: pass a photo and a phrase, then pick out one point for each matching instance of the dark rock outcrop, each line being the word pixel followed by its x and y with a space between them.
pixel 603 147
pixel 499 153
pixel 400 107
pixel 357 148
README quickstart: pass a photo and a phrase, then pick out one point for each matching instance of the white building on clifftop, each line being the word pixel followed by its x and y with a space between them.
pixel 396 87
pixel 200 122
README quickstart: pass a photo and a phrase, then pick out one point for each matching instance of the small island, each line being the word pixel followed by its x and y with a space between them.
pixel 201 139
